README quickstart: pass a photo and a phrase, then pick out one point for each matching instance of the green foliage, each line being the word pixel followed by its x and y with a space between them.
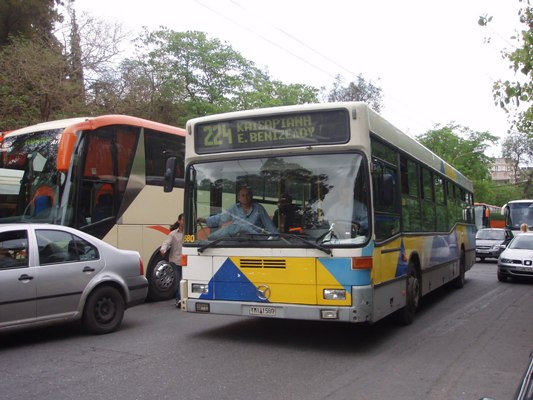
pixel 180 75
pixel 33 85
pixel 465 150
pixel 516 97
pixel 28 19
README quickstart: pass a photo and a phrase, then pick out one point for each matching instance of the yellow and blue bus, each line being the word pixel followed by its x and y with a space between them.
pixel 414 230
pixel 102 175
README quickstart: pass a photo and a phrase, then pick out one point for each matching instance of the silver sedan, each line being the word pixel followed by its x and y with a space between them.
pixel 516 261
pixel 51 274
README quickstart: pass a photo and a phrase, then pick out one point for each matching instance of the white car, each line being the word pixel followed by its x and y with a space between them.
pixel 51 274
pixel 516 261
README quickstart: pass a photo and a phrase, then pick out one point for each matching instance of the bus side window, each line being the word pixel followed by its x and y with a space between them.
pixel 387 218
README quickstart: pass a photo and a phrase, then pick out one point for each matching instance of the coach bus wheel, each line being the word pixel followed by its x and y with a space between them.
pixel 406 315
pixel 161 278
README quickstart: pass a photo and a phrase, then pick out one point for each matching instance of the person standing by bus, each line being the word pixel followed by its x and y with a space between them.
pixel 173 243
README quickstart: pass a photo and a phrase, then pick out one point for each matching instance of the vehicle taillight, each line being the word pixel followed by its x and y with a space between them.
pixel 141 267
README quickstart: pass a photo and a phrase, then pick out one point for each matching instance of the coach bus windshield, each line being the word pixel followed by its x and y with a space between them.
pixel 518 213
pixel 320 199
pixel 29 186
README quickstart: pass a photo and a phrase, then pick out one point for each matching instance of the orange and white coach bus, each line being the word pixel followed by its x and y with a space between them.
pixel 102 175
pixel 378 220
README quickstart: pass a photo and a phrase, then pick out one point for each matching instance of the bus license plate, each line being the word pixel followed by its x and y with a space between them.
pixel 268 311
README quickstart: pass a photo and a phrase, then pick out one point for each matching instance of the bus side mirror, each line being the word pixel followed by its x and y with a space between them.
pixel 170 174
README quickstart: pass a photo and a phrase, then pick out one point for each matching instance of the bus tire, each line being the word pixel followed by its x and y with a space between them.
pixel 406 315
pixel 104 310
pixel 162 280
pixel 459 281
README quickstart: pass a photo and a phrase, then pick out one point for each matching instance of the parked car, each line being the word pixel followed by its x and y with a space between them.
pixel 51 274
pixel 490 242
pixel 516 261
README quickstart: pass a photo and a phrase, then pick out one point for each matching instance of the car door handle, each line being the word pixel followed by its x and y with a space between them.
pixel 88 269
pixel 25 277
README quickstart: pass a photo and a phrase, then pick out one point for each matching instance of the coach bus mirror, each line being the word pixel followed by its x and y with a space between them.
pixel 388 190
pixel 170 174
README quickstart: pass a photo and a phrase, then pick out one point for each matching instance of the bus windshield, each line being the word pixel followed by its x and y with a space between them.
pixel 30 180
pixel 323 199
pixel 520 212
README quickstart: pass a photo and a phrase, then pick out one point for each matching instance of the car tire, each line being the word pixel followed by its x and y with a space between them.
pixel 406 315
pixel 162 280
pixel 482 259
pixel 103 310
pixel 502 277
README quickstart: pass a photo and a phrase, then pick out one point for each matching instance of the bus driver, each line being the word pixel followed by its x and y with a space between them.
pixel 245 216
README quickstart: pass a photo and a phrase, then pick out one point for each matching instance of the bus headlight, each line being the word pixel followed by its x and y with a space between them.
pixel 202 288
pixel 334 294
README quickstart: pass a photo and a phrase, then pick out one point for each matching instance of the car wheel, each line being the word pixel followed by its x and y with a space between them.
pixel 482 259
pixel 501 277
pixel 406 315
pixel 161 278
pixel 104 310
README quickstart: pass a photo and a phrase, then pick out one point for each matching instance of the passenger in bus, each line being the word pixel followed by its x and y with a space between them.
pixel 285 217
pixel 173 243
pixel 246 216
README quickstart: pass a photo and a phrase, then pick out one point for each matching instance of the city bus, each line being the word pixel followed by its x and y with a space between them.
pixel 488 216
pixel 102 175
pixel 329 265
pixel 518 212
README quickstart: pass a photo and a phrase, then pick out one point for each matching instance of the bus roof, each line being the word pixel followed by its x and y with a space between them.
pixel 89 123
pixel 378 125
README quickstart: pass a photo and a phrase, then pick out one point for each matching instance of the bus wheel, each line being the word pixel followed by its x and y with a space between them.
pixel 459 282
pixel 406 315
pixel 161 278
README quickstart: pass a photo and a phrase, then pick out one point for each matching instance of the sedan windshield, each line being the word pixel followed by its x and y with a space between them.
pixel 524 242
pixel 490 234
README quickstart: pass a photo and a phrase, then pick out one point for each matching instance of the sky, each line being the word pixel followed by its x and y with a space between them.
pixel 433 62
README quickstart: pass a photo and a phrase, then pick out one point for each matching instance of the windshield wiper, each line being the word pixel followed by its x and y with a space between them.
pixel 224 238
pixel 326 250
pixel 256 236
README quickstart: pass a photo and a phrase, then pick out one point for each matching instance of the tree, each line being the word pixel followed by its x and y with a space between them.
pixel 359 90
pixel 465 150
pixel 91 47
pixel 516 97
pixel 180 75
pixel 28 19
pixel 33 84
pixel 518 147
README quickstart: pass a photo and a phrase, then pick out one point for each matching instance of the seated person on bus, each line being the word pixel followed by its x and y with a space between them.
pixel 285 218
pixel 245 216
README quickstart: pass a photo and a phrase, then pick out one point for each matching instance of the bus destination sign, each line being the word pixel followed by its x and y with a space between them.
pixel 273 131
